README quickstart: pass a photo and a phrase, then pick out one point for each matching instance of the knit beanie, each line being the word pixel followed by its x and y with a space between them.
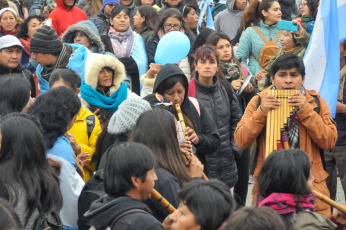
pixel 45 40
pixel 125 118
pixel 105 2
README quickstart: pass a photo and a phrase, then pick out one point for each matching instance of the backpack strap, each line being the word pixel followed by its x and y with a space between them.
pixel 90 121
pixel 259 33
pixel 228 89
pixel 196 104
pixel 126 213
pixel 277 36
pixel 192 88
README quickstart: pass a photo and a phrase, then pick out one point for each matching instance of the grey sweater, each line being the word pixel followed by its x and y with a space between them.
pixel 228 21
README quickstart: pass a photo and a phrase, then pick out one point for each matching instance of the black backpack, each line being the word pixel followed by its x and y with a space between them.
pixel 93 190
pixel 50 221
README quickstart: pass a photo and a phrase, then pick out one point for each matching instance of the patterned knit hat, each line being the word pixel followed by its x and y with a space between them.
pixel 125 118
pixel 45 40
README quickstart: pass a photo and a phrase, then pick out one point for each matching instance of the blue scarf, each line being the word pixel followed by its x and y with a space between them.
pixel 95 98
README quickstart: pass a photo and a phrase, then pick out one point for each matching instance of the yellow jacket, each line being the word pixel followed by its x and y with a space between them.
pixel 79 131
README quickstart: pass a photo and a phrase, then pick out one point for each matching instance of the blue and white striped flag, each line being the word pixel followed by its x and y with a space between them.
pixel 322 58
pixel 205 8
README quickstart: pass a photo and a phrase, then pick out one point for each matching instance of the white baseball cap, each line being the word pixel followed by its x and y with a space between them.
pixel 9 41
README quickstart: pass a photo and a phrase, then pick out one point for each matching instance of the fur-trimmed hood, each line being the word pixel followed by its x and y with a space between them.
pixel 96 62
pixel 91 32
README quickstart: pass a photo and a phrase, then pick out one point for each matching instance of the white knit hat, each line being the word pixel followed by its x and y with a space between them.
pixel 125 118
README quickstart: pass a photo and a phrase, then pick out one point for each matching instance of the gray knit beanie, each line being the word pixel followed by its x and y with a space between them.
pixel 125 118
pixel 45 40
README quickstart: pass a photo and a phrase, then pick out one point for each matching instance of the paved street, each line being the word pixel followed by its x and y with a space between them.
pixel 340 194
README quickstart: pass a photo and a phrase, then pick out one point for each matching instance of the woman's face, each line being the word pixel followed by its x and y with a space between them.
pixel 184 219
pixel 120 22
pixel 224 49
pixel 207 68
pixel 147 2
pixel 82 39
pixel 287 42
pixel 304 9
pixel 138 20
pixel 191 19
pixel 33 25
pixel 8 21
pixel 105 79
pixel 173 3
pixel 273 15
pixel 175 94
pixel 171 24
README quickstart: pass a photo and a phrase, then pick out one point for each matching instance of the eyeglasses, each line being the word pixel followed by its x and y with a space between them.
pixel 303 4
pixel 169 26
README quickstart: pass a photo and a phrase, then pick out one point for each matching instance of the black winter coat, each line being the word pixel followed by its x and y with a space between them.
pixel 21 72
pixel 103 211
pixel 226 115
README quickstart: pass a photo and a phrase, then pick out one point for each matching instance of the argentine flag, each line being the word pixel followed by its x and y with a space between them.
pixel 322 58
pixel 205 8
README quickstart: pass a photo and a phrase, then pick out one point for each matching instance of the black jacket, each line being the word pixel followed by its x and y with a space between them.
pixel 226 115
pixel 104 210
pixel 204 125
pixel 21 72
pixel 100 21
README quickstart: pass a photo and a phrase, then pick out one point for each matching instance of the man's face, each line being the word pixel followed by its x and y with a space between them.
pixel 147 186
pixel 285 79
pixel 10 57
pixel 240 4
pixel 108 9
pixel 126 2
pixel 69 3
pixel 42 59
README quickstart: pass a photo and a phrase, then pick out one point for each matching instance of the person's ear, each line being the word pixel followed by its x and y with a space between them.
pixel 194 64
pixel 136 181
pixel 264 13
pixel 78 91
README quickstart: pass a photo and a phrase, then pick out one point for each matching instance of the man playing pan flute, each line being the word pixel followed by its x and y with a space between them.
pixel 307 130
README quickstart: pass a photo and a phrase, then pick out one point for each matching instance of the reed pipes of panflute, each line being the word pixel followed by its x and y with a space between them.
pixel 277 120
pixel 187 155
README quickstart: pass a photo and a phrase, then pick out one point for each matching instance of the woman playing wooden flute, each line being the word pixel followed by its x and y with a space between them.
pixel 157 129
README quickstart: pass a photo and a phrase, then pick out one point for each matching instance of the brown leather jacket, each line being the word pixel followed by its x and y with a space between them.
pixel 315 131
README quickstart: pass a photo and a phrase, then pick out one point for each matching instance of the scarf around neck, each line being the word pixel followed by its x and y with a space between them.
pixel 93 97
pixel 122 42
pixel 284 203
pixel 230 70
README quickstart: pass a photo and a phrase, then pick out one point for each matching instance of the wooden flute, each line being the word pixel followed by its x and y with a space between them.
pixel 329 201
pixel 162 201
pixel 187 155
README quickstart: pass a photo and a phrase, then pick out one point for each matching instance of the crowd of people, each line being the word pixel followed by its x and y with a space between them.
pixel 96 133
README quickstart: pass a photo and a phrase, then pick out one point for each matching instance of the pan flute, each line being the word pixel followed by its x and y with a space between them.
pixel 277 121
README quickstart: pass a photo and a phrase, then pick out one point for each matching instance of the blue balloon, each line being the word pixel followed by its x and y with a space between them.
pixel 172 48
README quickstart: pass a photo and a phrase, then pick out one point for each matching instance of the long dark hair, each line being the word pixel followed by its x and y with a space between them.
pixel 14 94
pixel 253 13
pixel 170 13
pixel 313 6
pixel 23 165
pixel 285 171
pixel 24 27
pixel 55 109
pixel 151 17
pixel 156 129
pixel 214 38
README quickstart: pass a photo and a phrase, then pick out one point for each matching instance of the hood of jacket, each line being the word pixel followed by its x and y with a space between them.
pixel 230 7
pixel 90 30
pixel 167 71
pixel 96 62
pixel 104 210
pixel 60 3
